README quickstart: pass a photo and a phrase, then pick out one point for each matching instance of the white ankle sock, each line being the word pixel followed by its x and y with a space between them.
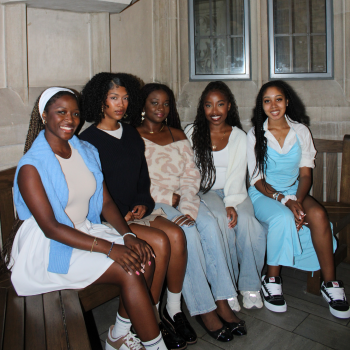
pixel 155 344
pixel 173 304
pixel 122 326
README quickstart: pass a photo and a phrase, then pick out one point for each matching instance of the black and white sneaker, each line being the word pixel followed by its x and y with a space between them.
pixel 333 292
pixel 271 291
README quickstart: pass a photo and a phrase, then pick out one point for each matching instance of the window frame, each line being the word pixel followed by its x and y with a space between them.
pixel 191 49
pixel 329 53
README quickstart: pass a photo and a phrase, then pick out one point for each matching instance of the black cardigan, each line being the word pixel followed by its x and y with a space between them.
pixel 124 167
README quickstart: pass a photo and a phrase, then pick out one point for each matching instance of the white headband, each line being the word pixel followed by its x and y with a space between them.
pixel 47 94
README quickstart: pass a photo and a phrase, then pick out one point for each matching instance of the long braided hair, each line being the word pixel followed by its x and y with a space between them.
pixel 94 95
pixel 35 126
pixel 295 111
pixel 173 119
pixel 201 133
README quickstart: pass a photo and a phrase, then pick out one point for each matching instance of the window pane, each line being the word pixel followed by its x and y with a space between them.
pixel 236 17
pixel 202 18
pixel 318 53
pixel 300 54
pixel 221 60
pixel 300 16
pixel 281 16
pixel 219 17
pixel 282 55
pixel 203 56
pixel 237 54
pixel 218 36
pixel 318 16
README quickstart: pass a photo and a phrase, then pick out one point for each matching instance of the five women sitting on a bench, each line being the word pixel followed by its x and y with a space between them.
pixel 61 194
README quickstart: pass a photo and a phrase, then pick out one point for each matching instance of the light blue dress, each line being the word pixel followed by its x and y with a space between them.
pixel 285 245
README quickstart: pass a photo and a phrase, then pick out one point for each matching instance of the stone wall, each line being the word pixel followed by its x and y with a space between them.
pixel 40 48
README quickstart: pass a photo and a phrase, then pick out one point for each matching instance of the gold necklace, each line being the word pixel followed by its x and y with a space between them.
pixel 152 132
pixel 214 147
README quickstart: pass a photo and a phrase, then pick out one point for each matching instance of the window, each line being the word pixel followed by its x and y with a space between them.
pixel 219 39
pixel 300 39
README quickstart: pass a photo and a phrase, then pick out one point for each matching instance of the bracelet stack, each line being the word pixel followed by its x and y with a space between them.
pixel 275 195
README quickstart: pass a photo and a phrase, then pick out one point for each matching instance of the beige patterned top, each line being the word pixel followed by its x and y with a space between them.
pixel 172 170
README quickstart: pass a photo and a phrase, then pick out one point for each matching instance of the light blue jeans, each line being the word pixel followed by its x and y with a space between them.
pixel 245 243
pixel 206 263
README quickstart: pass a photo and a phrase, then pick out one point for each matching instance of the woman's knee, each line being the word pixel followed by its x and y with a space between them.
pixel 177 238
pixel 160 242
pixel 317 216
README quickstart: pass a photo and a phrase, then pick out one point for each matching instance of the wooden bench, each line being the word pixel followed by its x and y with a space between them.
pixel 48 321
pixel 69 305
pixel 338 211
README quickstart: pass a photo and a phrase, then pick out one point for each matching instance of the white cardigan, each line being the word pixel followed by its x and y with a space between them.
pixel 235 189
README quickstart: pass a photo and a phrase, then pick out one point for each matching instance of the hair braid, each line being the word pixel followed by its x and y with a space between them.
pixel 295 111
pixel 201 139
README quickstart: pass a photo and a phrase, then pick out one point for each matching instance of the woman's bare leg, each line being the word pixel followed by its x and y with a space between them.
pixel 136 299
pixel 178 256
pixel 321 235
pixel 160 244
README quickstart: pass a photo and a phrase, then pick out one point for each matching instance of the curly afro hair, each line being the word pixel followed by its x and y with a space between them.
pixel 295 111
pixel 201 133
pixel 94 95
pixel 173 118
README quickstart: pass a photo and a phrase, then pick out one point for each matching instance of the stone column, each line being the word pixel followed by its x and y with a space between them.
pixel 166 43
pixel 16 49
pixel 100 50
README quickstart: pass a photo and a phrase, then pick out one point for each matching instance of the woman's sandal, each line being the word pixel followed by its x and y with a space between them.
pixel 223 334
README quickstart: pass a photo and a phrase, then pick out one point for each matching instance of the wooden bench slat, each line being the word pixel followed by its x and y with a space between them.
pixel 3 300
pixel 77 335
pixel 34 323
pixel 331 177
pixel 317 185
pixel 7 215
pixel 14 325
pixel 6 178
pixel 345 173
pixel 97 294
pixel 328 146
pixel 54 326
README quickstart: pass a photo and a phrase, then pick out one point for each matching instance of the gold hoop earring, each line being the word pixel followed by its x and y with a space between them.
pixel 125 115
pixel 143 115
pixel 44 121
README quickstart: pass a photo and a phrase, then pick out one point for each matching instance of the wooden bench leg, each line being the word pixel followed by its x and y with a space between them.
pixel 314 282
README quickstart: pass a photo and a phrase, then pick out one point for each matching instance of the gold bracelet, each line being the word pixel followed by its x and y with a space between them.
pixel 92 247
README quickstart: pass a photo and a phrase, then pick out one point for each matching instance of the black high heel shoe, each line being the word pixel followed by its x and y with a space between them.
pixel 223 334
pixel 235 328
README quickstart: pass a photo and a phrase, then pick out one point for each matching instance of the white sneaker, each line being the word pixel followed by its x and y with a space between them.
pixel 234 304
pixel 128 342
pixel 252 300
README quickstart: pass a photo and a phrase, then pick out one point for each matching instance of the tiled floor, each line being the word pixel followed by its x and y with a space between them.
pixel 307 325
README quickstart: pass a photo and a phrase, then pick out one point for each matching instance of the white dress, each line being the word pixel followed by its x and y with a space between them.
pixel 31 248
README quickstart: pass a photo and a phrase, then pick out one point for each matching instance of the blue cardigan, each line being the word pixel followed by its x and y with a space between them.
pixel 41 156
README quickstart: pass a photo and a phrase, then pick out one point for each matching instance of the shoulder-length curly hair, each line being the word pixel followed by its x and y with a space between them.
pixel 172 119
pixel 94 95
pixel 201 134
pixel 295 111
